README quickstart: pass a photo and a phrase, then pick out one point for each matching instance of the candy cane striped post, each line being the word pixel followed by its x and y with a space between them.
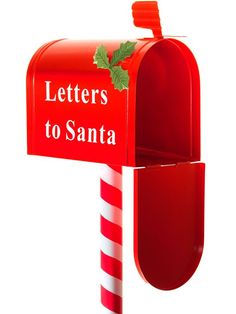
pixel 111 239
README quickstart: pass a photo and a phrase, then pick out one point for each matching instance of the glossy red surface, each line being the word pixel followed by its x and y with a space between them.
pixel 169 223
pixel 167 105
pixel 155 121
pixel 66 64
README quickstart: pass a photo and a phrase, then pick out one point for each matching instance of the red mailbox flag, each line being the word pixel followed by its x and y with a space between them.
pixel 129 103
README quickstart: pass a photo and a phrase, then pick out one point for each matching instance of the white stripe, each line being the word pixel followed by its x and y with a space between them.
pixel 111 177
pixel 104 310
pixel 111 248
pixel 111 213
pixel 111 283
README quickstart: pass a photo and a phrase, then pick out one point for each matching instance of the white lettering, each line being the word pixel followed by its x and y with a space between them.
pixel 69 90
pixel 104 98
pixel 85 96
pixel 61 92
pixel 112 137
pixel 102 130
pixel 92 135
pixel 75 94
pixel 77 89
pixel 47 129
pixel 48 96
pixel 81 134
pixel 70 135
pixel 56 131
pixel 94 93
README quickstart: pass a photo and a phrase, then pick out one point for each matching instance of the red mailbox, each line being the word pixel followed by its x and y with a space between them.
pixel 81 108
pixel 74 109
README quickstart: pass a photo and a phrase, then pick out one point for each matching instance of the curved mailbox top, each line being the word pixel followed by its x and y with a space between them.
pixel 75 110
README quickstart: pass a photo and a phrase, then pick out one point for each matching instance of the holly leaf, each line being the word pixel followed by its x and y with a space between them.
pixel 101 58
pixel 126 49
pixel 120 77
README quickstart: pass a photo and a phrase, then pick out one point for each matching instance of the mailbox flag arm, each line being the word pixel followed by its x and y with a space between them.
pixel 146 15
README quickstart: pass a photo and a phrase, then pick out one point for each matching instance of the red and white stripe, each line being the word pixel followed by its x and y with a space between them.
pixel 111 239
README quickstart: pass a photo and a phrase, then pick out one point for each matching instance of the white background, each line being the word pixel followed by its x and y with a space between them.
pixel 49 208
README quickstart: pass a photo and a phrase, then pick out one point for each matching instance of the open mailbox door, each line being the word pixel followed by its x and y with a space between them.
pixel 169 223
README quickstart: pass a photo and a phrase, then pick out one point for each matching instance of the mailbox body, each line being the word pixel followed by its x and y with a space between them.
pixel 74 110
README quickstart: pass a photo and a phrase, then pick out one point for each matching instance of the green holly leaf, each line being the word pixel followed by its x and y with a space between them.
pixel 101 58
pixel 120 77
pixel 126 49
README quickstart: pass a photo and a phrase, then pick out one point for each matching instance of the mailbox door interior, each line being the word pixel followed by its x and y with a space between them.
pixel 167 105
pixel 169 223
pixel 169 185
